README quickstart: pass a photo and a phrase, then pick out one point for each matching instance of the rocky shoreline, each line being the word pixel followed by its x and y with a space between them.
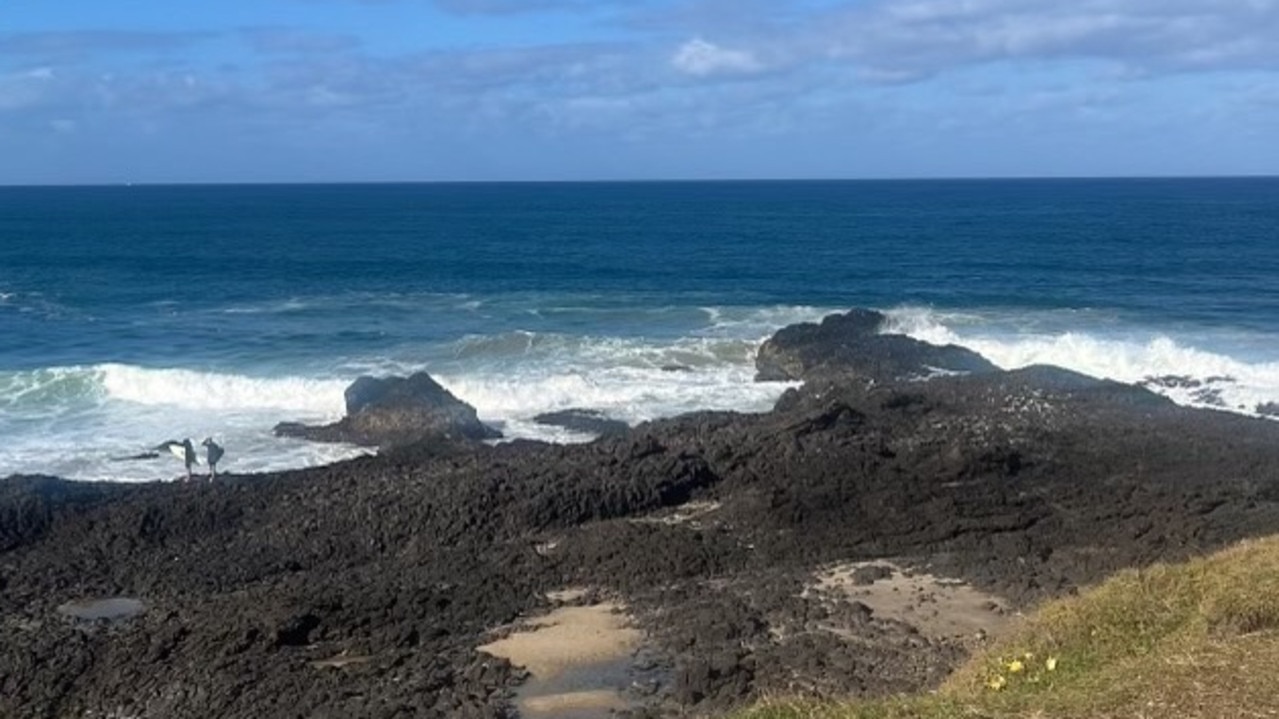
pixel 828 547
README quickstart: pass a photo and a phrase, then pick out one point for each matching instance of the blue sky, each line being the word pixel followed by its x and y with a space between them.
pixel 368 90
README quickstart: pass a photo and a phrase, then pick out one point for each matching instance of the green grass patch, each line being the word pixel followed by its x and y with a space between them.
pixel 1196 639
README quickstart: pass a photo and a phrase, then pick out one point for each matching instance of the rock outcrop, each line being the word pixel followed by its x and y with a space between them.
pixel 585 421
pixel 850 346
pixel 396 411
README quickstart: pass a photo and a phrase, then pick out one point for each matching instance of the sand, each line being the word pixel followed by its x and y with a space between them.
pixel 578 658
pixel 938 608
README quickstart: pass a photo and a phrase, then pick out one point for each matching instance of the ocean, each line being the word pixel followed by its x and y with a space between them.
pixel 134 315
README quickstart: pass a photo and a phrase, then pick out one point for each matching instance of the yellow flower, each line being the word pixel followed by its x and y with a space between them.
pixel 1051 664
pixel 997 682
pixel 1015 666
pixel 1029 656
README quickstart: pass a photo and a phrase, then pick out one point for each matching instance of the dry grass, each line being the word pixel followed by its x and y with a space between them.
pixel 1198 639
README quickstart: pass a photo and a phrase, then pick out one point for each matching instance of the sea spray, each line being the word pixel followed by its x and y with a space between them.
pixel 1175 368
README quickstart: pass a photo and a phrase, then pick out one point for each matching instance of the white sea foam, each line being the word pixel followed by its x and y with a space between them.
pixel 626 393
pixel 77 422
pixel 1208 377
pixel 102 448
pixel 513 377
pixel 760 322
pixel 216 391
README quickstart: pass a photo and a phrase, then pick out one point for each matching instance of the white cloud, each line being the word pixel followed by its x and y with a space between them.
pixel 1148 36
pixel 26 88
pixel 703 59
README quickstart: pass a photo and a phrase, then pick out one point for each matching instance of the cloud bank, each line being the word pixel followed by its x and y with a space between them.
pixel 485 86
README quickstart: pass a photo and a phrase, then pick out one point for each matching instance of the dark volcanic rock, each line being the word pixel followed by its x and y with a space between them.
pixel 1268 409
pixel 586 421
pixel 851 345
pixel 28 504
pixel 397 411
pixel 1054 385
pixel 363 588
pixel 871 574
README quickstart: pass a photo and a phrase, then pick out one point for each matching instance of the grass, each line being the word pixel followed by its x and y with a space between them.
pixel 1196 639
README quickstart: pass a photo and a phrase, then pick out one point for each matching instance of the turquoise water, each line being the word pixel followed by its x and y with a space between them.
pixel 129 315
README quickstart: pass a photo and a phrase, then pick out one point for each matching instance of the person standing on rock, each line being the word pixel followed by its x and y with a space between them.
pixel 214 454
pixel 182 450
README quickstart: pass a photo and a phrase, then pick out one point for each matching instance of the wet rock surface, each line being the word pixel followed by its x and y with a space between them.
pixel 393 411
pixel 850 345
pixel 364 588
pixel 585 421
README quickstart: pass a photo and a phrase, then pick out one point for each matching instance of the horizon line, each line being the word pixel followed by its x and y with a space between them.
pixel 620 181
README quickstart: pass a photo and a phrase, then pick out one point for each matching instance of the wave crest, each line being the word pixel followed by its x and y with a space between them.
pixel 1171 366
pixel 61 387
pixel 209 390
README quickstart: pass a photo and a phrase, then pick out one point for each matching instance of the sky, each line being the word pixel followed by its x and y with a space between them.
pixel 440 90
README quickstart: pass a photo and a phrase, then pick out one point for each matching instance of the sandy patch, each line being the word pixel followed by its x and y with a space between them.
pixel 578 658
pixel 937 607
pixel 568 637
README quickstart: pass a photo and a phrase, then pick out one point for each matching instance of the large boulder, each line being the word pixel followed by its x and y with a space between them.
pixel 393 411
pixel 851 344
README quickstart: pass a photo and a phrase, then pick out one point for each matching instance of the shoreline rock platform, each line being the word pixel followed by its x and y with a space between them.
pixel 744 548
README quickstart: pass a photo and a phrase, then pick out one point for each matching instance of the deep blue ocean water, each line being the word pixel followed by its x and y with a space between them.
pixel 130 315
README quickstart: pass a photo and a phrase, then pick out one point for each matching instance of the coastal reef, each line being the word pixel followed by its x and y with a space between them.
pixel 881 523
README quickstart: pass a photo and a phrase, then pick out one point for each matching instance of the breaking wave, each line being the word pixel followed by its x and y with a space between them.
pixel 1196 369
